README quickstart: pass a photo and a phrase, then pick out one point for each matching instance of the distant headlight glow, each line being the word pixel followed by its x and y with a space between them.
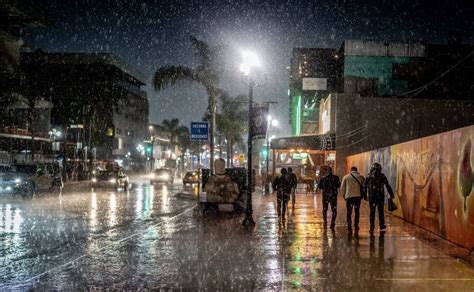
pixel 94 179
pixel 164 176
pixel 17 180
pixel 112 180
pixel 152 175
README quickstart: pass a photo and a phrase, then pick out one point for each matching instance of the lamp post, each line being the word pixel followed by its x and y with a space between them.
pixel 250 60
pixel 53 134
pixel 152 160
pixel 271 123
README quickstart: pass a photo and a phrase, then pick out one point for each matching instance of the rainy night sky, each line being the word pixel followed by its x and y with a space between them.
pixel 150 34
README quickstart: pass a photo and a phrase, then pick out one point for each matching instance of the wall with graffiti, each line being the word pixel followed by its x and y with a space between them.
pixel 433 178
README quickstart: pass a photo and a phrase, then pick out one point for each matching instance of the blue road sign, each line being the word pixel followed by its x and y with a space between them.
pixel 199 131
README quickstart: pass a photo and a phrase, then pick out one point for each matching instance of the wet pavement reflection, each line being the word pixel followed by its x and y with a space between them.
pixel 150 237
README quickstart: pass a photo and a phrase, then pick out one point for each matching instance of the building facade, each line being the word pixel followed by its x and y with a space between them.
pixel 314 73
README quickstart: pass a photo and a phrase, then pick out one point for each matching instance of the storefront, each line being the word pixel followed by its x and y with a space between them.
pixel 307 155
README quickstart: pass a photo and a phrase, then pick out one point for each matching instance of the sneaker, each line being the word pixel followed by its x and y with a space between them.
pixel 383 228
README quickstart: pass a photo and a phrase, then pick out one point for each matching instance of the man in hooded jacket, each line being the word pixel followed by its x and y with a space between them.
pixel 374 184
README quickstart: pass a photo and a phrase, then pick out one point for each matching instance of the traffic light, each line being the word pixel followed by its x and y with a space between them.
pixel 149 149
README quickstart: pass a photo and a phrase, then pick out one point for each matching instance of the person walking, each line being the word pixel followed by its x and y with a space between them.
pixel 374 184
pixel 352 190
pixel 281 186
pixel 293 183
pixel 329 185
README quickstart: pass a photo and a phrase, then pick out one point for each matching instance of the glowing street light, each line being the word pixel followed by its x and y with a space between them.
pixel 249 60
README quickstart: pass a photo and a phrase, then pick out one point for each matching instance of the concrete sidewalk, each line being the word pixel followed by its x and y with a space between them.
pixel 301 254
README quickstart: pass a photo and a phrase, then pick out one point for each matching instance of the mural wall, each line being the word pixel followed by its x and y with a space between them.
pixel 433 178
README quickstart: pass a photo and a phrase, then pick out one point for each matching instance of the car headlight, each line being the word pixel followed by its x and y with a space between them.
pixel 17 180
pixel 164 176
pixel 112 180
pixel 94 179
pixel 152 175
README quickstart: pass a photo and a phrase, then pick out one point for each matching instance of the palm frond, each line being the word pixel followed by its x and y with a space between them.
pixel 169 75
pixel 201 50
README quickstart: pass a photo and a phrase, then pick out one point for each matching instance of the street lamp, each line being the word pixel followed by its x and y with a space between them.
pixel 152 161
pixel 53 134
pixel 249 61
pixel 271 123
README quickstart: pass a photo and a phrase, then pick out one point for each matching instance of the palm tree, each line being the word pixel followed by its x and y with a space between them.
pixel 206 74
pixel 177 134
pixel 232 121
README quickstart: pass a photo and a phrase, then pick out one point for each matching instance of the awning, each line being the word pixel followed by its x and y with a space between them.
pixel 326 142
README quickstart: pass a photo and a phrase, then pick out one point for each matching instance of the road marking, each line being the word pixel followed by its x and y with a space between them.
pixel 18 285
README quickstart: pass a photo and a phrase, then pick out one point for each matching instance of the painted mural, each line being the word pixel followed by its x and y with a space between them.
pixel 433 179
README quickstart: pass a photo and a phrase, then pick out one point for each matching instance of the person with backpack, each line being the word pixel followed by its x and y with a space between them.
pixel 352 189
pixel 281 186
pixel 293 183
pixel 329 185
pixel 374 184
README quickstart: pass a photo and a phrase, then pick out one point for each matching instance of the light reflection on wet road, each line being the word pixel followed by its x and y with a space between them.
pixel 151 238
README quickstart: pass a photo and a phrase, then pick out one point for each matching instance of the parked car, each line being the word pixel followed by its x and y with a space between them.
pixel 110 178
pixel 162 176
pixel 191 177
pixel 7 179
pixel 29 179
pixel 5 169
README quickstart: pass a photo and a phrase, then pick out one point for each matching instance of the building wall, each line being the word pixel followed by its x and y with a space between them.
pixel 131 124
pixel 433 180
pixel 369 66
pixel 367 123
pixel 358 69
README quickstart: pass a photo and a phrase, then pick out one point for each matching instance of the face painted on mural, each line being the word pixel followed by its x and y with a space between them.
pixel 465 176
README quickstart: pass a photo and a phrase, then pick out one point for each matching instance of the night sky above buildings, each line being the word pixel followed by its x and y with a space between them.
pixel 150 34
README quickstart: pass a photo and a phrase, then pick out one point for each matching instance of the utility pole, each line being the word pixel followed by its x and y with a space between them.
pixel 212 130
pixel 248 221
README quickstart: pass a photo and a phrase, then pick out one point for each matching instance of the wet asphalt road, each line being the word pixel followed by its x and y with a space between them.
pixel 150 238
pixel 48 234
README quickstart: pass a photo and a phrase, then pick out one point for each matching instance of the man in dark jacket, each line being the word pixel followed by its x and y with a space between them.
pixel 293 181
pixel 374 184
pixel 329 185
pixel 282 187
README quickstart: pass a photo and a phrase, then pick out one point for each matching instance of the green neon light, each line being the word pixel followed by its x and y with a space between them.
pixel 298 116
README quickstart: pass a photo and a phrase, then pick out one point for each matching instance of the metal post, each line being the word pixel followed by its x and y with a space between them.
pixel 248 221
pixel 267 187
pixel 199 175
pixel 212 131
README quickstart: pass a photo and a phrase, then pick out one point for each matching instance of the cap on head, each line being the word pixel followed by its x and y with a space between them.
pixel 290 169
pixel 284 171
